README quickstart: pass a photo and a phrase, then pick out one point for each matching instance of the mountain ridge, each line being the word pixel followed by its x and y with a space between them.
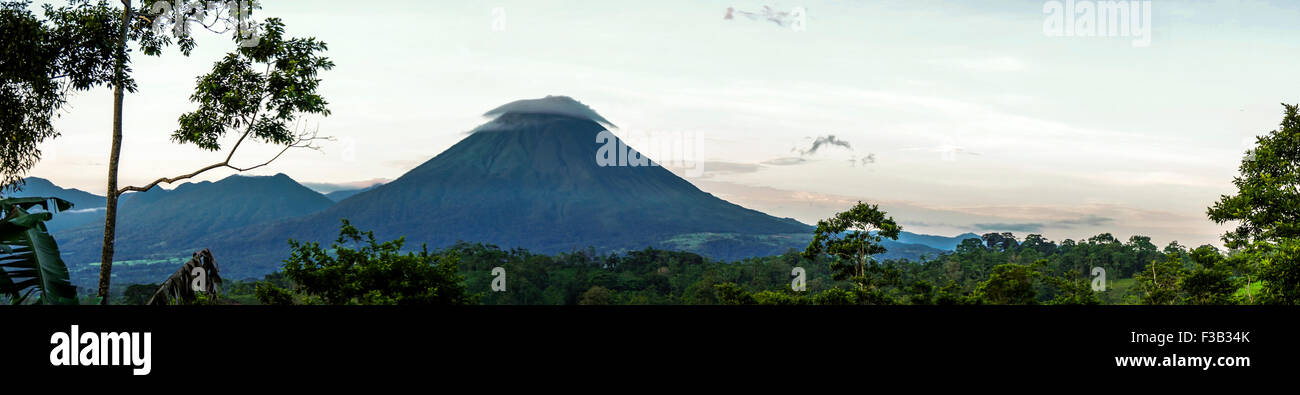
pixel 163 225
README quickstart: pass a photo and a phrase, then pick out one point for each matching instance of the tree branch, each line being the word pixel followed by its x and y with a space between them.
pixel 304 140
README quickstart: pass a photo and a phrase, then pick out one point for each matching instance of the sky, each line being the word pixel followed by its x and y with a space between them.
pixel 953 116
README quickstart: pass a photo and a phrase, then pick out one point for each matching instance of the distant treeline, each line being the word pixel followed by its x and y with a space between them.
pixel 999 268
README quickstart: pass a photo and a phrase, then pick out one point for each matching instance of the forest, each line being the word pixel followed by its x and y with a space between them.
pixel 998 269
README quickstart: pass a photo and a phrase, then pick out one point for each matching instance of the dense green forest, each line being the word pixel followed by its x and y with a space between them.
pixel 999 269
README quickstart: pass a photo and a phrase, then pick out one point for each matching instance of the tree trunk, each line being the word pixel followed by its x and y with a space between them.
pixel 1248 294
pixel 110 210
pixel 861 269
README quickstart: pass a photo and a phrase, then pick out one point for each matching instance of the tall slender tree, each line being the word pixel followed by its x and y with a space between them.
pixel 154 25
pixel 115 150
pixel 257 92
pixel 853 236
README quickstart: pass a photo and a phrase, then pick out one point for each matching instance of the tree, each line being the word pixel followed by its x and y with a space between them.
pixel 272 295
pixel 1267 203
pixel 138 294
pixel 853 236
pixel 1000 241
pixel 1174 249
pixel 1210 281
pixel 781 298
pixel 1207 286
pixel 256 92
pixel 28 91
pixel 85 45
pixel 732 294
pixel 951 295
pixel 256 105
pixel 363 271
pixel 1243 266
pixel 921 292
pixel 1279 269
pixel 29 257
pixel 1141 250
pixel 1072 291
pixel 1071 288
pixel 39 64
pixel 596 295
pixel 1009 284
pixel 1038 243
pixel 1160 279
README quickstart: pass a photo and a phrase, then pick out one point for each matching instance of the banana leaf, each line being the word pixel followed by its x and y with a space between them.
pixel 29 256
pixel 180 289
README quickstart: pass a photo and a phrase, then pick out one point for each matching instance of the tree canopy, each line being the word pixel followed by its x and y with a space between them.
pixel 853 236
pixel 363 271
pixel 41 61
pixel 1267 203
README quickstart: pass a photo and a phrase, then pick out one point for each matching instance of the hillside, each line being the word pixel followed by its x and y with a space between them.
pixel 161 226
pixel 87 207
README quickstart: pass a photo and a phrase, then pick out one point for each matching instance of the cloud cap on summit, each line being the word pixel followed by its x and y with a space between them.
pixel 554 105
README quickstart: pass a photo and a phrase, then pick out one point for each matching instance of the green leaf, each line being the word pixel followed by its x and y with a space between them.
pixel 30 260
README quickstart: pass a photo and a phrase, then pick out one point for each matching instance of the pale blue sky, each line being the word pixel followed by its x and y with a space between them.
pixel 1064 136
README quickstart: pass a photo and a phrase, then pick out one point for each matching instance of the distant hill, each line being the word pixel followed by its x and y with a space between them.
pixel 338 196
pixel 86 207
pixel 938 242
pixel 327 187
pixel 40 187
pixel 163 225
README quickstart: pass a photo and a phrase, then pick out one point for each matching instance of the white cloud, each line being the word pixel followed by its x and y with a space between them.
pixel 556 105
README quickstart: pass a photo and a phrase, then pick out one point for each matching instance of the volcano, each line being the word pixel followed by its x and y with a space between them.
pixel 531 177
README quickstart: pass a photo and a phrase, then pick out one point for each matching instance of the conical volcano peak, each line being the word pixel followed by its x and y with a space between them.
pixel 551 105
